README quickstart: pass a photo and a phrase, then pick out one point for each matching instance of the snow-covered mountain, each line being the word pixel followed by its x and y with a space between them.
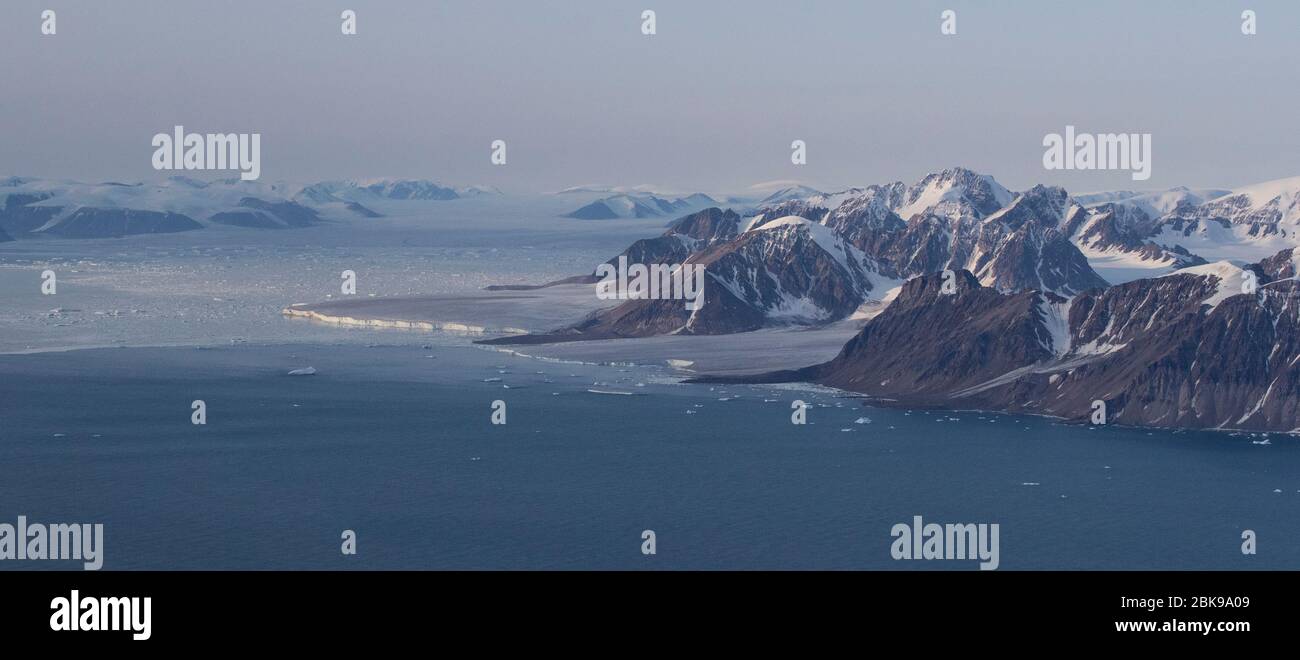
pixel 758 272
pixel 600 189
pixel 799 262
pixel 1262 210
pixel 79 210
pixel 467 192
pixel 788 193
pixel 862 242
pixel 1154 203
pixel 697 232
pixel 957 219
pixel 371 190
pixel 1180 227
pixel 956 193
pixel 71 209
pixel 1116 232
pixel 1191 349
pixel 1123 234
pixel 639 205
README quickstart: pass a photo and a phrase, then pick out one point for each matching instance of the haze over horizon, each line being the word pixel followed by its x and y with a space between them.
pixel 709 103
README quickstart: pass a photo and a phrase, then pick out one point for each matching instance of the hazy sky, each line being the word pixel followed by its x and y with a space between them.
pixel 710 103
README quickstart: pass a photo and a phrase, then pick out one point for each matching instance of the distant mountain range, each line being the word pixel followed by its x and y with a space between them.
pixel 640 205
pixel 789 193
pixel 42 207
pixel 399 189
pixel 600 189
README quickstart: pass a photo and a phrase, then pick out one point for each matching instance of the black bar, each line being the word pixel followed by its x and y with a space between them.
pixel 327 608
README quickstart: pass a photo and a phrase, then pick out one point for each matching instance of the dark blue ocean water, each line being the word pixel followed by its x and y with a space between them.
pixel 399 447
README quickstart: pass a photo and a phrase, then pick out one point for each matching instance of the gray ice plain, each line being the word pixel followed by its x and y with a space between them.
pixel 221 284
pixel 492 313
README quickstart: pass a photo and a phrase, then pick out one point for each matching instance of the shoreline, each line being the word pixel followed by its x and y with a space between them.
pixel 552 353
pixel 295 311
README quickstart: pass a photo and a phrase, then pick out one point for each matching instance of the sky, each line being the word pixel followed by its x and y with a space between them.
pixel 711 102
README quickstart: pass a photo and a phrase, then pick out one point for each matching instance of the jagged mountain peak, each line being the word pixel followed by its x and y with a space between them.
pixel 711 221
pixel 1047 205
pixel 956 187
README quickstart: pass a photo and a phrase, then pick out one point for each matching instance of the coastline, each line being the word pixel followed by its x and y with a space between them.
pixel 294 311
pixel 741 359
